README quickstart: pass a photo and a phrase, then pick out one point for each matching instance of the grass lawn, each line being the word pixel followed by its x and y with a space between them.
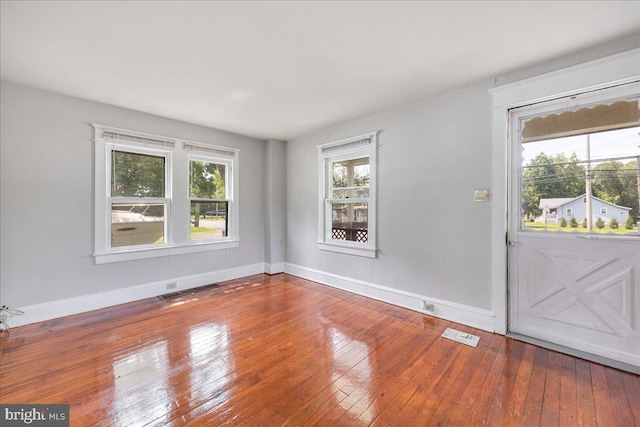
pixel 556 227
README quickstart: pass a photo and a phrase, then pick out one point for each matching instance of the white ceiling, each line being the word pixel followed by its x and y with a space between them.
pixel 282 69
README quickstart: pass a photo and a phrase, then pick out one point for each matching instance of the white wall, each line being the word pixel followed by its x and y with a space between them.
pixel 47 201
pixel 275 205
pixel 434 240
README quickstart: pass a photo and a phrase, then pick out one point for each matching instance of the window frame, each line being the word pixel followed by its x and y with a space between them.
pixel 347 149
pixel 200 156
pixel 177 154
pixel 166 200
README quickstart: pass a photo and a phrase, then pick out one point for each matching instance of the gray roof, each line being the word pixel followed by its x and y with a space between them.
pixel 554 203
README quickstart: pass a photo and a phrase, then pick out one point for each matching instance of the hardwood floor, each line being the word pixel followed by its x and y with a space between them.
pixel 280 350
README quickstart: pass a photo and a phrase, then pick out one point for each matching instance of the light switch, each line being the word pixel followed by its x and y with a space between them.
pixel 481 195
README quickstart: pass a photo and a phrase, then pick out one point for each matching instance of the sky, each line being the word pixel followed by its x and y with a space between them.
pixel 618 143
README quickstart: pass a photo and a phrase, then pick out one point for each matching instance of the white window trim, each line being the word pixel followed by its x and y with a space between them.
pixel 201 155
pixel 341 150
pixel 176 151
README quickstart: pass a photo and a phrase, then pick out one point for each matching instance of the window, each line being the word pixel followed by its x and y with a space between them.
pixel 570 211
pixel 623 212
pixel 347 196
pixel 156 196
pixel 138 197
pixel 209 199
pixel 603 211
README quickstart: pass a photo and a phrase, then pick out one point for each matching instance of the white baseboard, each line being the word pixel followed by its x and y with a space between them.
pixel 454 312
pixel 69 306
pixel 274 268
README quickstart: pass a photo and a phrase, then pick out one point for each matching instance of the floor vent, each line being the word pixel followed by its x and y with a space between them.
pixel 188 292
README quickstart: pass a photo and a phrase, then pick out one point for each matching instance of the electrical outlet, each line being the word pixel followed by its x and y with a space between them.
pixel 427 306
pixel 172 285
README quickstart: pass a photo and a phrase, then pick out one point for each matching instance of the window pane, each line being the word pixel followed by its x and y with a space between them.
pixel 209 220
pixel 207 180
pixel 137 175
pixel 349 221
pixel 559 176
pixel 136 224
pixel 350 178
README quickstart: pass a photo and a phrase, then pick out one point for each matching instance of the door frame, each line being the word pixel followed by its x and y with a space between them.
pixel 598 74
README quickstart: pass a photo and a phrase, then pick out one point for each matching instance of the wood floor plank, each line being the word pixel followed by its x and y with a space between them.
pixel 623 415
pixel 515 407
pixel 280 350
pixel 604 408
pixel 584 394
pixel 632 390
pixel 568 391
pixel 535 395
pixel 550 413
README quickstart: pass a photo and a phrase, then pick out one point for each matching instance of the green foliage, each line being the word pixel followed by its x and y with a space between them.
pixel 563 222
pixel 584 223
pixel 551 176
pixel 207 180
pixel 137 175
pixel 599 223
pixel 573 222
pixel 628 224
pixel 613 223
pixel 616 182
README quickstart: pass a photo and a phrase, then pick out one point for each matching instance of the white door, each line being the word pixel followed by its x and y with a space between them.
pixel 575 282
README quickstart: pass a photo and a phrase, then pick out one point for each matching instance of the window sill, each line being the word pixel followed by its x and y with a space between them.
pixel 348 249
pixel 134 254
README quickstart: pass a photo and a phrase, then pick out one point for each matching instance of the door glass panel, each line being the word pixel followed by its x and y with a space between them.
pixel 584 183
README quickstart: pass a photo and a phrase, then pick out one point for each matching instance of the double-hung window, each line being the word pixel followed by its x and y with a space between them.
pixel 139 196
pixel 210 193
pixel 157 196
pixel 347 212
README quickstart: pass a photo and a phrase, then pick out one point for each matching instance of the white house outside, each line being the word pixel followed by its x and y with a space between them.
pixel 554 209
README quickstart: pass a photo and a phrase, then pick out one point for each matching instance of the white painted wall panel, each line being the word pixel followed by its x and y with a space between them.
pixel 46 211
pixel 434 240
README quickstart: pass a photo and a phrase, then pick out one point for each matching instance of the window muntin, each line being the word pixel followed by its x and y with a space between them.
pixel 347 196
pixel 209 199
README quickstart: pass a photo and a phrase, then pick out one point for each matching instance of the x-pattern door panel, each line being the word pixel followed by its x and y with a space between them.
pixel 573 295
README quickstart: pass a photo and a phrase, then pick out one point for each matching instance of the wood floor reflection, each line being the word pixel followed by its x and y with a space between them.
pixel 280 350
